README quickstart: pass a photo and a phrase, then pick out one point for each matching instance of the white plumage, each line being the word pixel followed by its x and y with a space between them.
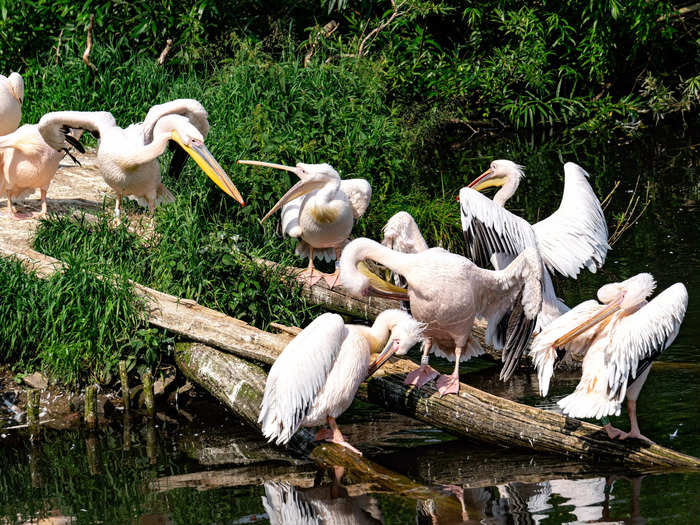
pixel 619 338
pixel 573 237
pixel 11 100
pixel 319 211
pixel 316 377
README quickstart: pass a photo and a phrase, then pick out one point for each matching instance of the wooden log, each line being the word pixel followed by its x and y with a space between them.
pixel 148 397
pixel 473 414
pixel 90 416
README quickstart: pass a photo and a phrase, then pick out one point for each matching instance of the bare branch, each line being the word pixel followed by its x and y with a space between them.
pixel 369 38
pixel 166 50
pixel 88 47
pixel 689 9
pixel 58 46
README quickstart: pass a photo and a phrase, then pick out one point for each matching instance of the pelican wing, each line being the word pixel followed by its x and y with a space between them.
pixel 359 192
pixel 510 300
pixel 545 355
pixel 54 127
pixel 576 235
pixel 298 375
pixel 639 338
pixel 491 229
pixel 290 217
pixel 401 233
pixel 187 107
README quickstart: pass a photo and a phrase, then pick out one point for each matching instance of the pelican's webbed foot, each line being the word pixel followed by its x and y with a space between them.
pixel 420 376
pixel 448 384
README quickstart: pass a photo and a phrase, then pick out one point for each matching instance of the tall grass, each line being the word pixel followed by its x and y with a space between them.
pixel 73 325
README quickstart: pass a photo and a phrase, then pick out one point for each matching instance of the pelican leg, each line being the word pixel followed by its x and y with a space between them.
pixel 118 210
pixel 333 435
pixel 634 425
pixel 450 384
pixel 425 373
pixel 307 276
pixel 44 206
pixel 12 212
pixel 613 432
pixel 332 278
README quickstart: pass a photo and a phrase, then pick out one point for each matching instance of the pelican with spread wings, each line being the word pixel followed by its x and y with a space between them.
pixel 319 210
pixel 128 157
pixel 11 100
pixel 573 237
pixel 618 339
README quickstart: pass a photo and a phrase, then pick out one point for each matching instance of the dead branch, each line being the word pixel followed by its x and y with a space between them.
pixel 58 46
pixel 629 219
pixel 88 47
pixel 370 37
pixel 166 50
pixel 315 37
pixel 687 10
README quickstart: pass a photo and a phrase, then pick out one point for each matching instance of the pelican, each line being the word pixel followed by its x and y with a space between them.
pixel 446 291
pixel 320 211
pixel 573 237
pixel 128 158
pixel 11 100
pixel 316 376
pixel 618 341
pixel 27 162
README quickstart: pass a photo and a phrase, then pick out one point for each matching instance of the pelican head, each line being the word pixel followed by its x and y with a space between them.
pixel 627 295
pixel 191 140
pixel 17 86
pixel 499 173
pixel 405 333
pixel 312 177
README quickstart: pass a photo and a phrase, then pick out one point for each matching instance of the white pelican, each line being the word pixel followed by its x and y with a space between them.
pixel 128 158
pixel 316 376
pixel 446 291
pixel 320 211
pixel 573 237
pixel 27 162
pixel 11 99
pixel 619 338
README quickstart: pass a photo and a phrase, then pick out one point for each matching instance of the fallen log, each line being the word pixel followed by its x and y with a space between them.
pixel 473 414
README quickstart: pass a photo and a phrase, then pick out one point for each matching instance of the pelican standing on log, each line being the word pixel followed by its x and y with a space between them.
pixel 573 237
pixel 27 162
pixel 620 339
pixel 11 100
pixel 320 210
pixel 128 158
pixel 316 376
pixel 446 291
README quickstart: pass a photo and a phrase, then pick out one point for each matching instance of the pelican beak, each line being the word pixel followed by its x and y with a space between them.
pixel 378 287
pixel 391 347
pixel 268 165
pixel 486 180
pixel 597 318
pixel 206 161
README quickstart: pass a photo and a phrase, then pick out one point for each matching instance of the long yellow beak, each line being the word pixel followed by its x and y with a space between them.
pixel 381 288
pixel 597 318
pixel 382 358
pixel 300 188
pixel 206 161
pixel 484 181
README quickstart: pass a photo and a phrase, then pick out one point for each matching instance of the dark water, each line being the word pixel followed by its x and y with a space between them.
pixel 214 471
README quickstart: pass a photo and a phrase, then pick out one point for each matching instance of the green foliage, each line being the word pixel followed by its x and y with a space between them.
pixel 73 325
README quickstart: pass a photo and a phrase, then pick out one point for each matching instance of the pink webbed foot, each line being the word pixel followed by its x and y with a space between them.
pixel 613 432
pixel 636 435
pixel 310 276
pixel 331 278
pixel 422 375
pixel 346 445
pixel 448 385
pixel 323 434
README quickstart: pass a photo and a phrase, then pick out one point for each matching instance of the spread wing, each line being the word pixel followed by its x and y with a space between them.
pixel 298 375
pixel 56 126
pixel 542 352
pixel 359 192
pixel 187 107
pixel 639 338
pixel 576 235
pixel 510 300
pixel 491 229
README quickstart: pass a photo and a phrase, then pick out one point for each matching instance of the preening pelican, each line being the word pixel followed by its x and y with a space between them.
pixel 11 99
pixel 316 376
pixel 27 162
pixel 573 237
pixel 446 291
pixel 319 210
pixel 128 158
pixel 620 338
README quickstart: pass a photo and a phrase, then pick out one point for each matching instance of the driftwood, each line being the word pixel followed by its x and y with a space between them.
pixel 473 414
